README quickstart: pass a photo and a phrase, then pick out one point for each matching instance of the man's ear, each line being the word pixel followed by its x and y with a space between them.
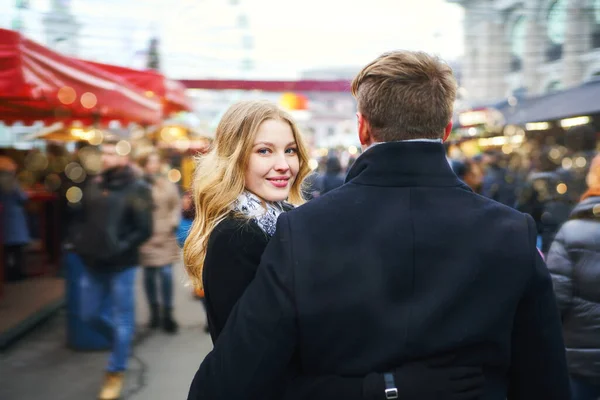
pixel 447 131
pixel 364 131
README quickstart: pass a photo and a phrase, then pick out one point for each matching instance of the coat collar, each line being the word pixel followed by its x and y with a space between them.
pixel 404 164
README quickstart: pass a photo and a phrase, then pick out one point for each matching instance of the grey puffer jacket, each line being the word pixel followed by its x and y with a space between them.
pixel 574 262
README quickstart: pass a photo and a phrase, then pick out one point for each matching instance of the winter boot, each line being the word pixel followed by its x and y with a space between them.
pixel 154 316
pixel 112 387
pixel 169 324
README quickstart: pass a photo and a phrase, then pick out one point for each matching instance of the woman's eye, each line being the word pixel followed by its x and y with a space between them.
pixel 291 151
pixel 263 151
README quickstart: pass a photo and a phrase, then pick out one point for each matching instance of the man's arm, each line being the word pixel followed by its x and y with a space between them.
pixel 252 353
pixel 141 204
pixel 538 364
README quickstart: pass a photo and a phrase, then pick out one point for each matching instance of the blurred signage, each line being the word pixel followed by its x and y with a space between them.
pixel 472 118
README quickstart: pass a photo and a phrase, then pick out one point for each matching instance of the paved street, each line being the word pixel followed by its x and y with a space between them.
pixel 41 366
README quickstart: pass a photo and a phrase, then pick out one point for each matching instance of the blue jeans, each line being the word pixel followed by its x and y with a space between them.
pixel 166 279
pixel 109 306
pixel 582 390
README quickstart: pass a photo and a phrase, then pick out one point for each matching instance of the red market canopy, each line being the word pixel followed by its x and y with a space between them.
pixel 38 84
pixel 171 92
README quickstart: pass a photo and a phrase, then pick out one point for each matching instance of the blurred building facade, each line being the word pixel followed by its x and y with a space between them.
pixel 528 46
pixel 197 39
pixel 332 121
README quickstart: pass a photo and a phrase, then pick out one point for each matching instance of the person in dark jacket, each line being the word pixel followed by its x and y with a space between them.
pixel 236 216
pixel 115 219
pixel 469 172
pixel 497 183
pixel 574 262
pixel 15 233
pixel 332 178
pixel 545 196
pixel 400 263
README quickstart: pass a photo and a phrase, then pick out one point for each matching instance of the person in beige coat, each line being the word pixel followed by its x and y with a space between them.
pixel 159 253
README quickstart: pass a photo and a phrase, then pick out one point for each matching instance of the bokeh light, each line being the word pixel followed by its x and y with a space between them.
pixel 580 162
pixel 123 148
pixel 91 160
pixel 74 194
pixel 67 95
pixel 174 175
pixel 561 188
pixel 96 137
pixel 313 164
pixel 89 100
pixel 75 172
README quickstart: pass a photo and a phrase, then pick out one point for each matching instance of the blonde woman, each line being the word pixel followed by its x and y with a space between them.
pixel 253 173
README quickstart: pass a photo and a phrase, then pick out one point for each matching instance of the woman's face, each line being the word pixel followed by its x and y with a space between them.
pixel 273 164
pixel 474 177
pixel 153 165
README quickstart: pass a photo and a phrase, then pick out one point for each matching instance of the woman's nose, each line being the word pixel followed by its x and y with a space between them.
pixel 281 164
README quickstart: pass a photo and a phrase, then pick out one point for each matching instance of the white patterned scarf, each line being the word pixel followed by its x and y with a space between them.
pixel 253 207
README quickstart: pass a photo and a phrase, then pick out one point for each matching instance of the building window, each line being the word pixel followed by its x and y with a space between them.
pixel 553 86
pixel 247 64
pixel 247 42
pixel 517 43
pixel 596 23
pixel 557 19
pixel 242 21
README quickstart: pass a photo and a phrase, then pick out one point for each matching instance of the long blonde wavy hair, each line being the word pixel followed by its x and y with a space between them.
pixel 219 174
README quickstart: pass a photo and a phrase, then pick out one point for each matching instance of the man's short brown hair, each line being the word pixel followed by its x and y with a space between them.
pixel 406 95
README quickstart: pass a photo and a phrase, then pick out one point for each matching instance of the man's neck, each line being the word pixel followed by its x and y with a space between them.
pixel 373 144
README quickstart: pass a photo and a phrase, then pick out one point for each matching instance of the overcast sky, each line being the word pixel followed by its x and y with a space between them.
pixel 288 36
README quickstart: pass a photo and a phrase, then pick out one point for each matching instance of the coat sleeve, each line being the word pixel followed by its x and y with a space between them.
pixel 232 258
pixel 251 356
pixel 140 203
pixel 561 269
pixel 538 368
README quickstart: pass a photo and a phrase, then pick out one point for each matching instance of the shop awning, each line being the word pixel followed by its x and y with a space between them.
pixel 172 93
pixel 583 100
pixel 38 84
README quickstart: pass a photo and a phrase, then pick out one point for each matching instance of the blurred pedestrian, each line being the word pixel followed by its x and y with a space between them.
pixel 469 172
pixel 15 233
pixel 158 254
pixel 116 218
pixel 332 178
pixel 574 262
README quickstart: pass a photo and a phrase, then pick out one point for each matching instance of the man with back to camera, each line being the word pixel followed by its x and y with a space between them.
pixel 402 262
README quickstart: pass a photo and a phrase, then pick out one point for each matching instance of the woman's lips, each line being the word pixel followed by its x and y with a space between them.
pixel 279 182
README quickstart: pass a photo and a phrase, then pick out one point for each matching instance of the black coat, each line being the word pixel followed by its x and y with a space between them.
pixel 233 255
pixel 401 262
pixel 114 219
pixel 574 262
